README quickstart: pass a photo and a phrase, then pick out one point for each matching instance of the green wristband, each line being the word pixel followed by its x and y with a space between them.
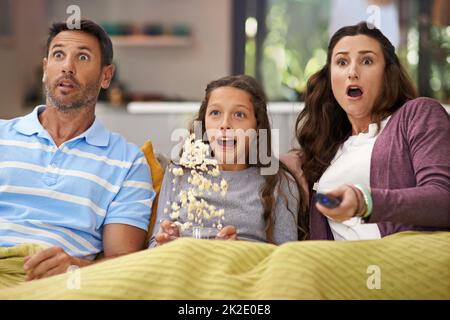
pixel 367 198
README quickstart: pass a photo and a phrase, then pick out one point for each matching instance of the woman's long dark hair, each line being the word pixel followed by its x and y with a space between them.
pixel 267 192
pixel 322 126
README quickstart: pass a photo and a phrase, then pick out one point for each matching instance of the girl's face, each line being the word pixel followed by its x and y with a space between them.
pixel 230 123
pixel 357 69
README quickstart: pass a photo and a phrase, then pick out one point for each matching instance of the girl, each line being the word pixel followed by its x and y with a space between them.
pixel 257 207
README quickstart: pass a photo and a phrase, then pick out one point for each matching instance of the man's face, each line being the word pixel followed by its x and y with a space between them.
pixel 73 73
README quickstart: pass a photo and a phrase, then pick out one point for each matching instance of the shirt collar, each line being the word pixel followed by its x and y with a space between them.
pixel 29 124
pixel 96 135
pixel 373 128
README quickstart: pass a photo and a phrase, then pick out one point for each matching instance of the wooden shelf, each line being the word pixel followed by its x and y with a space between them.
pixel 151 41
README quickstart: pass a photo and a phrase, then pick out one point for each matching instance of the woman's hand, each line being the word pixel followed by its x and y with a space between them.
pixel 351 202
pixel 168 231
pixel 227 233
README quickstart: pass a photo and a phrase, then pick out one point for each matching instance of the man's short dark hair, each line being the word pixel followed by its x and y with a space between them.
pixel 90 27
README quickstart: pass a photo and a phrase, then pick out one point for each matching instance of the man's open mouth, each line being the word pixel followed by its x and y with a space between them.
pixel 65 85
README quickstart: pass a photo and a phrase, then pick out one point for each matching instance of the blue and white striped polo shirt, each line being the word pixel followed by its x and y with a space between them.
pixel 63 196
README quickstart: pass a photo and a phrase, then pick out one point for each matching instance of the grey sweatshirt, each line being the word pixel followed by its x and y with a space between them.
pixel 242 204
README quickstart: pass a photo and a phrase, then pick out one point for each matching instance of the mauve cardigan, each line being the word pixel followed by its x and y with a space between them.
pixel 409 173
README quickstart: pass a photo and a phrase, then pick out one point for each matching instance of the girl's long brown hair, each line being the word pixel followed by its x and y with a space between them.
pixel 267 192
pixel 322 126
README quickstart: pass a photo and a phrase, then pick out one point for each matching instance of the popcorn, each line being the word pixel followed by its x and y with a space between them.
pixel 175 215
pixel 177 171
pixel 195 158
pixel 182 226
pixel 224 185
pixel 175 206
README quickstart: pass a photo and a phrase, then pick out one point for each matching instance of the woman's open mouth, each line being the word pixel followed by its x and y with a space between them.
pixel 354 92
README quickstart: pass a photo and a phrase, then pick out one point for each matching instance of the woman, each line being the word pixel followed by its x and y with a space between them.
pixel 257 207
pixel 369 142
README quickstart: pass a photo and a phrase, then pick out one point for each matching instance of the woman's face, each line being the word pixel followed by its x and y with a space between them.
pixel 229 121
pixel 357 69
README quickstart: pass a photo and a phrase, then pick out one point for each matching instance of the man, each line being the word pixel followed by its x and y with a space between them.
pixel 65 181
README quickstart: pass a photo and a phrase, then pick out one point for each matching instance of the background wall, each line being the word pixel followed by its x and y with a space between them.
pixel 176 72
pixel 18 60
pixel 179 73
pixel 173 71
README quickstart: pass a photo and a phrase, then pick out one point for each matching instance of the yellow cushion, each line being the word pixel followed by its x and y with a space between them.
pixel 157 172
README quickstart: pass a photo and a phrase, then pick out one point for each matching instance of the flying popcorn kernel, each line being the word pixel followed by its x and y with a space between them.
pixel 175 215
pixel 195 157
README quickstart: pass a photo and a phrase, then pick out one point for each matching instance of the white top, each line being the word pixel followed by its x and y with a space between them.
pixel 351 165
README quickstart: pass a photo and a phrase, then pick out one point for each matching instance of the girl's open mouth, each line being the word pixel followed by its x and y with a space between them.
pixel 226 142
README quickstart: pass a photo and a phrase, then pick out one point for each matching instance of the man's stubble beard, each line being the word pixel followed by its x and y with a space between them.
pixel 87 98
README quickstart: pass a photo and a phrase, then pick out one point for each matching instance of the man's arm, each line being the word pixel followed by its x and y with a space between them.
pixel 118 240
pixel 121 239
pixel 131 208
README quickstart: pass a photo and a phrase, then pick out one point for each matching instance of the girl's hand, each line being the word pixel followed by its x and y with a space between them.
pixel 168 231
pixel 227 233
pixel 349 207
